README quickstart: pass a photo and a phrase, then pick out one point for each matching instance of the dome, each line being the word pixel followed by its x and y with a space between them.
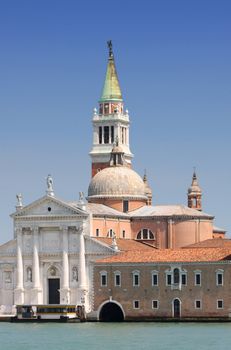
pixel 117 182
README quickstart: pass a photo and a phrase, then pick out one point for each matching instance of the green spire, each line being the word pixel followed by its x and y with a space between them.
pixel 111 89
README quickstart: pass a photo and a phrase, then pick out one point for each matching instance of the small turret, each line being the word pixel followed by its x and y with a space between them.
pixel 148 190
pixel 194 194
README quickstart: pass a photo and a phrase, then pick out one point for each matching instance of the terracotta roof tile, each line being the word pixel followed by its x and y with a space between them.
pixel 170 255
pixel 126 244
pixel 211 243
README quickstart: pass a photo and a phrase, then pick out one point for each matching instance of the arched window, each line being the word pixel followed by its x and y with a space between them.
pixel 145 233
pixel 176 276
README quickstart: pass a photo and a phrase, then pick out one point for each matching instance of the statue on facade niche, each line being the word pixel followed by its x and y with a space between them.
pixel 75 274
pixel 8 276
pixel 29 274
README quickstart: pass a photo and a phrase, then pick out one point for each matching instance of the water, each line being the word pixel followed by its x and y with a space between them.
pixel 115 336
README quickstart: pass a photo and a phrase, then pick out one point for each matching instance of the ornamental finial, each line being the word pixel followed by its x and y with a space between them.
pixel 109 44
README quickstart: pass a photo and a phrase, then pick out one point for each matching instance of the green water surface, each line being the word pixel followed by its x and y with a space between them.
pixel 115 336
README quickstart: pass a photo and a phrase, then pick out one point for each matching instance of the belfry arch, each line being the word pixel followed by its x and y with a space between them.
pixel 111 311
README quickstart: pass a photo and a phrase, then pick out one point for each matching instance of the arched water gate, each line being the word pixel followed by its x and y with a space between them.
pixel 111 312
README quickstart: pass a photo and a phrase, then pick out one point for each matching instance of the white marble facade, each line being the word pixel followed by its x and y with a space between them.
pixel 52 240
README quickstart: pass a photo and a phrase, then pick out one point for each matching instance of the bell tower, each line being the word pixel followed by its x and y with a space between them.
pixel 194 194
pixel 110 122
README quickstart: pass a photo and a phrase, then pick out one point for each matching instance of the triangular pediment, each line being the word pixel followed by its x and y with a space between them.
pixel 8 248
pixel 95 247
pixel 49 206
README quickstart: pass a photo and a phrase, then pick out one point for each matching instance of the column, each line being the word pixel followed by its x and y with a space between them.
pixel 65 291
pixel 83 289
pixel 19 291
pixel 36 296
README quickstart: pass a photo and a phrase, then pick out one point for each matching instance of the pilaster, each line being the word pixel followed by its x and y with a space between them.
pixel 19 291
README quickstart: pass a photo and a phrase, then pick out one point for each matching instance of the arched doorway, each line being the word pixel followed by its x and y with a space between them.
pixel 176 308
pixel 111 312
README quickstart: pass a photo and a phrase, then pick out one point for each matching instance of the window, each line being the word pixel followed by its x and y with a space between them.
pixel 145 234
pixel 123 233
pixel 117 278
pixel 125 206
pixel 198 304
pixel 100 134
pixel 169 280
pixel 97 232
pixel 136 304
pixel 106 134
pixel 197 279
pixel 176 276
pixel 103 276
pixel 183 279
pixel 155 304
pixel 220 304
pixel 136 278
pixel 219 277
pixel 154 278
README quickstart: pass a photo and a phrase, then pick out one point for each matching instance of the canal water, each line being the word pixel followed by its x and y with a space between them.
pixel 115 336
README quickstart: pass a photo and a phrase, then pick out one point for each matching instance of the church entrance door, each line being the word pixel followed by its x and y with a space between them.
pixel 54 286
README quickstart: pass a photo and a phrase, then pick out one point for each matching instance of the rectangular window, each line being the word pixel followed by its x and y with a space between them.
pixel 220 279
pixel 100 134
pixel 103 280
pixel 155 279
pixel 169 280
pixel 106 134
pixel 97 232
pixel 136 280
pixel 197 279
pixel 183 279
pixel 123 233
pixel 117 280
pixel 112 134
pixel 155 304
pixel 136 304
pixel 220 304
pixel 197 304
pixel 125 206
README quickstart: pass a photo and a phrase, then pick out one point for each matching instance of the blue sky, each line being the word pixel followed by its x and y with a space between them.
pixel 173 59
